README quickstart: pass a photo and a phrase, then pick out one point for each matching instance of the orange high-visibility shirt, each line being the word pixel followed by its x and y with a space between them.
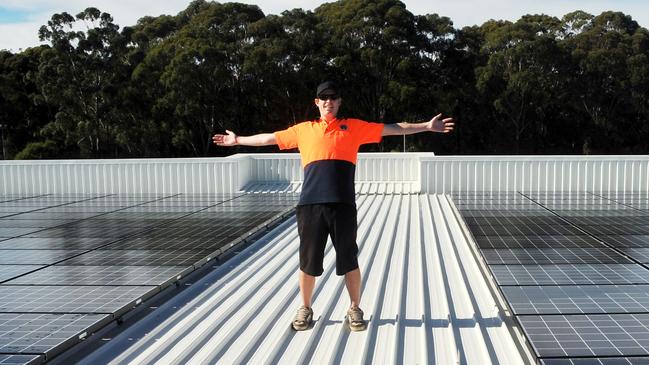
pixel 328 151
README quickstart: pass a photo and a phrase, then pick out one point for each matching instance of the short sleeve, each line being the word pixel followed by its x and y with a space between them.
pixel 368 132
pixel 287 138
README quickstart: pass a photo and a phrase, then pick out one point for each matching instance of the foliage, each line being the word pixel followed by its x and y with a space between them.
pixel 162 87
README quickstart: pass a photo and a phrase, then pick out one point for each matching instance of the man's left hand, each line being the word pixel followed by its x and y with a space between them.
pixel 441 125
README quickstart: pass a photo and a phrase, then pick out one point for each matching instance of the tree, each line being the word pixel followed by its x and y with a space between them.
pixel 524 63
pixel 81 74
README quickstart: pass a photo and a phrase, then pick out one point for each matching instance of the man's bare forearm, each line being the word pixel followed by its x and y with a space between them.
pixel 412 128
pixel 263 139
pixel 404 128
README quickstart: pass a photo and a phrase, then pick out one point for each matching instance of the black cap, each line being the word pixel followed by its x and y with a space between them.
pixel 327 86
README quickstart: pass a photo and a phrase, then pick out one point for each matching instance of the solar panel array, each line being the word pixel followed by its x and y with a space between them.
pixel 70 264
pixel 573 269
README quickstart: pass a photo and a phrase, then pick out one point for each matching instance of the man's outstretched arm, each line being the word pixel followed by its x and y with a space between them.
pixel 231 139
pixel 437 124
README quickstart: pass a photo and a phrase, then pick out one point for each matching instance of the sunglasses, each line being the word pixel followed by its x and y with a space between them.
pixel 329 97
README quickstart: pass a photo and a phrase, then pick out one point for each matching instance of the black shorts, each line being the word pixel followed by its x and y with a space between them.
pixel 317 221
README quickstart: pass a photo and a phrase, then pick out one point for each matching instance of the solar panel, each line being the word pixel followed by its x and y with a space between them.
pixel 35 257
pixel 71 299
pixel 117 223
pixel 573 299
pixel 588 335
pixel 598 361
pixel 97 232
pixel 618 229
pixel 14 210
pixel 54 215
pixel 640 254
pixel 102 275
pixel 209 243
pixel 20 359
pixel 15 232
pixel 525 230
pixel 626 240
pixel 597 213
pixel 139 258
pixel 505 213
pixel 591 208
pixel 21 223
pixel 201 231
pixel 553 256
pixel 500 206
pixel 79 209
pixel 517 220
pixel 141 213
pixel 11 271
pixel 232 215
pixel 629 219
pixel 44 333
pixel 570 274
pixel 52 243
pixel 106 280
pixel 535 241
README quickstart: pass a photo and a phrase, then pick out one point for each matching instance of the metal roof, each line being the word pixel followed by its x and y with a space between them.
pixel 423 292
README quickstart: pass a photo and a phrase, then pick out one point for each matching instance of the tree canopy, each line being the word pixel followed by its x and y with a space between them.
pixel 162 87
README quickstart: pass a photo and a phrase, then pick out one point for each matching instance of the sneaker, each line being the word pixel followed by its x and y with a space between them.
pixel 354 319
pixel 303 319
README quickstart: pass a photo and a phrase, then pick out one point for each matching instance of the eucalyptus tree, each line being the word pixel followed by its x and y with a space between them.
pixel 80 74
pixel 204 86
pixel 605 50
pixel 23 111
pixel 521 80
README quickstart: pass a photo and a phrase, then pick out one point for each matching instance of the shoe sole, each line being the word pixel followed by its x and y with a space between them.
pixel 355 328
pixel 308 324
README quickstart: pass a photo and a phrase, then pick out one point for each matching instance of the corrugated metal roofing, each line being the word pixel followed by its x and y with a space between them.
pixel 423 293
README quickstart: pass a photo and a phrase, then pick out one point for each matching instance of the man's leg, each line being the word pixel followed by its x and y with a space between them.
pixel 313 238
pixel 307 282
pixel 353 283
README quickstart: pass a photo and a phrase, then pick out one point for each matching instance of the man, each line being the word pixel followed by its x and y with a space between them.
pixel 328 150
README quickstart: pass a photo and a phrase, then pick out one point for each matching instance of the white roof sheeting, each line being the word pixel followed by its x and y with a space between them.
pixel 423 293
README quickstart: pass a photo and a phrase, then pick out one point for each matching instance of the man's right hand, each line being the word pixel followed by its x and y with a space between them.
pixel 227 140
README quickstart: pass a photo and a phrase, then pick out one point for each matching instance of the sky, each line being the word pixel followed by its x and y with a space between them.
pixel 21 19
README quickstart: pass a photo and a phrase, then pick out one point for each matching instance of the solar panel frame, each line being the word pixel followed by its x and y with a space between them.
pixel 503 221
pixel 17 359
pixel 16 232
pixel 537 241
pixel 616 229
pixel 49 334
pixel 592 335
pixel 54 215
pixel 8 272
pixel 636 219
pixel 598 361
pixel 629 241
pixel 112 300
pixel 45 243
pixel 95 232
pixel 145 242
pixel 639 254
pixel 570 274
pixel 525 230
pixel 577 299
pixel 141 258
pixel 103 276
pixel 36 257
pixel 19 223
pixel 575 255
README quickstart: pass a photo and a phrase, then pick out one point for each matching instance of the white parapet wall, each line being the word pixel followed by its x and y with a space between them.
pixel 446 174
pixel 424 171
